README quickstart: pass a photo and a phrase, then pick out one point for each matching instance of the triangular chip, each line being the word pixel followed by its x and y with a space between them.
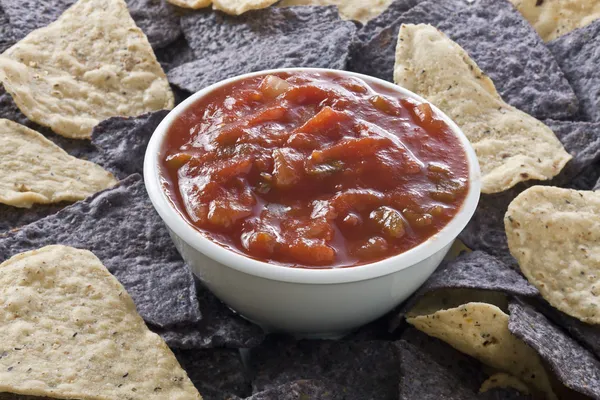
pixel 554 18
pixel 554 234
pixel 35 170
pixel 90 64
pixel 238 7
pixel 481 331
pixel 194 4
pixel 70 330
pixel 357 10
pixel 511 145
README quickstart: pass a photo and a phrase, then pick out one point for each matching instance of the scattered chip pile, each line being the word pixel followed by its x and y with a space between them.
pixel 85 84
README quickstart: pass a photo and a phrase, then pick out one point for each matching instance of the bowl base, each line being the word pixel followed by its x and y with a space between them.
pixel 299 336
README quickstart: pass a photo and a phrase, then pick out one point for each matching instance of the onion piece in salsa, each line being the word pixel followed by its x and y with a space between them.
pixel 314 170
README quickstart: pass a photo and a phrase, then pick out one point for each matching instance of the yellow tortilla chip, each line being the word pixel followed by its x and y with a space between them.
pixel 91 64
pixel 502 380
pixel 35 170
pixel 357 10
pixel 554 234
pixel 69 330
pixel 554 18
pixel 511 145
pixel 481 331
pixel 194 4
pixel 238 7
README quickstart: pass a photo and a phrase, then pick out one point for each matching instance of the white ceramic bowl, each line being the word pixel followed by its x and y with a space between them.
pixel 305 302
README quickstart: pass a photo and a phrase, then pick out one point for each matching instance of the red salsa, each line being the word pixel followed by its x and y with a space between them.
pixel 314 170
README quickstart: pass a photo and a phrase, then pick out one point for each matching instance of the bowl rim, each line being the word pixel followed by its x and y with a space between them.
pixel 198 241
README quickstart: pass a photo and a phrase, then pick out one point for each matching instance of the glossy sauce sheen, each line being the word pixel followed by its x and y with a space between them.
pixel 313 170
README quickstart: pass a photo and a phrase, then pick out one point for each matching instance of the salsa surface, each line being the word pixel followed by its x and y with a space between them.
pixel 314 170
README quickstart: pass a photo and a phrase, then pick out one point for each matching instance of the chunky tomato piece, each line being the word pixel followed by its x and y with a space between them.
pixel 314 170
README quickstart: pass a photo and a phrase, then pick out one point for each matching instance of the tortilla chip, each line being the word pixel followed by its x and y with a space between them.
pixel 122 142
pixel 432 370
pixel 122 228
pixel 219 327
pixel 511 146
pixel 33 170
pixel 481 331
pixel 216 373
pixel 70 330
pixel 553 233
pixel 356 10
pixel 503 380
pixel 423 378
pixel 294 37
pixel 554 18
pixel 582 141
pixel 13 217
pixel 470 274
pixel 7 37
pixel 178 53
pixel 158 21
pixel 588 335
pixel 478 270
pixel 500 41
pixel 238 7
pixel 278 361
pixel 574 366
pixel 193 4
pixel 304 390
pixel 394 11
pixel 578 54
pixel 54 76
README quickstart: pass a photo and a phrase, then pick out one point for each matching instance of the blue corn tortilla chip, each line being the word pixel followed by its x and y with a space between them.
pixel 369 370
pixel 219 327
pixel 481 271
pixel 432 370
pixel 293 37
pixel 588 335
pixel 498 38
pixel 156 18
pixel 306 390
pixel 121 227
pixel 7 38
pixel 582 141
pixel 121 142
pixel 218 374
pixel 578 54
pixel 573 365
pixel 13 217
pixel 398 7
pixel 176 54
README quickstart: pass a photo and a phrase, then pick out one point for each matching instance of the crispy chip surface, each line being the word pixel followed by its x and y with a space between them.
pixel 554 234
pixel 357 10
pixel 194 4
pixel 554 18
pixel 70 330
pixel 91 64
pixel 35 170
pixel 238 7
pixel 511 145
pixel 481 331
